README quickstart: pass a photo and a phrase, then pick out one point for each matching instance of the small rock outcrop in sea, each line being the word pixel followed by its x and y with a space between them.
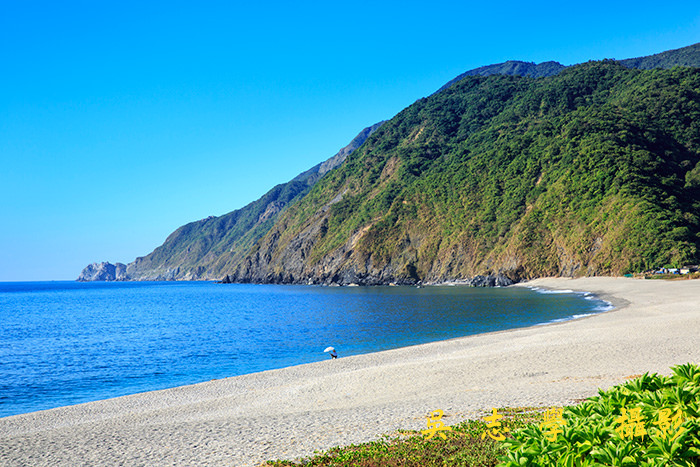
pixel 104 272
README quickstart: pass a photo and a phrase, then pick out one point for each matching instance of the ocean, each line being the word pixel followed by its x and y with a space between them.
pixel 65 343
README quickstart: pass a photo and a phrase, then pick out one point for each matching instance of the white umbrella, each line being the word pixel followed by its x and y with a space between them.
pixel 329 349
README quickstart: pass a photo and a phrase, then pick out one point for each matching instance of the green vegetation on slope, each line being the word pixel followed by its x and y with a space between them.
pixel 591 171
pixel 511 67
pixel 686 56
pixel 203 248
pixel 492 144
pixel 199 246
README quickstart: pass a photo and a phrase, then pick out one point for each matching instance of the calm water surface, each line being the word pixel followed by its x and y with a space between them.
pixel 64 343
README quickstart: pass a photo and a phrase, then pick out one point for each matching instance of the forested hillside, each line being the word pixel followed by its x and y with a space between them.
pixel 520 168
pixel 197 250
pixel 686 57
pixel 592 171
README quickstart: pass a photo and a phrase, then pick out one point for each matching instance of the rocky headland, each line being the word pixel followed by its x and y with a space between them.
pixel 104 271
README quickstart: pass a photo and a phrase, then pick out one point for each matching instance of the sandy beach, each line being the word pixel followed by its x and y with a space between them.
pixel 289 413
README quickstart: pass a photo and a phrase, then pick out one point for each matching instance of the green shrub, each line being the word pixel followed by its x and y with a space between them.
pixel 649 421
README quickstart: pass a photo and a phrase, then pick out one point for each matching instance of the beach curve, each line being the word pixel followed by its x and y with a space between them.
pixel 290 412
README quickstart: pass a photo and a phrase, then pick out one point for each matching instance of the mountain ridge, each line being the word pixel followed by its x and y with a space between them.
pixel 190 249
pixel 564 177
pixel 199 250
pixel 511 68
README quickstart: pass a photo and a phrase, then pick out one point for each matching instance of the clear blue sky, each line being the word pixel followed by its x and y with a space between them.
pixel 121 121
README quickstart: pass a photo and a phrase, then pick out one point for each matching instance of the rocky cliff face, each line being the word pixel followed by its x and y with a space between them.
pixel 104 272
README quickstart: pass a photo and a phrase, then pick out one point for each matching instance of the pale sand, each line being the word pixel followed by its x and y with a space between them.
pixel 289 413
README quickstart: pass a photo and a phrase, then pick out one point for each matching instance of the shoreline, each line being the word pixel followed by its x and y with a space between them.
pixel 457 284
pixel 290 412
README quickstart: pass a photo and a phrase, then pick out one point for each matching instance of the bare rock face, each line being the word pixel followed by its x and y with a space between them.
pixel 491 280
pixel 104 272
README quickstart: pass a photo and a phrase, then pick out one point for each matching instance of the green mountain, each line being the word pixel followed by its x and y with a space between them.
pixel 685 56
pixel 595 170
pixel 512 68
pixel 196 250
pixel 528 171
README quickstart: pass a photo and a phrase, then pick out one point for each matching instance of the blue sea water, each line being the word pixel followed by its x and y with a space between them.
pixel 64 343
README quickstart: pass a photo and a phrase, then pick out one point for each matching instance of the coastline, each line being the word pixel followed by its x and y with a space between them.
pixel 291 412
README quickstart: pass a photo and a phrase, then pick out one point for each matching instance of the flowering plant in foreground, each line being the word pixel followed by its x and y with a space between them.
pixel 649 421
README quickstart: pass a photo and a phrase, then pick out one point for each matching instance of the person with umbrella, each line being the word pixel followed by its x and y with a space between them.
pixel 332 352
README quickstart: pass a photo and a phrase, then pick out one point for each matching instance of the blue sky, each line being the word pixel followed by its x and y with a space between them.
pixel 121 121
